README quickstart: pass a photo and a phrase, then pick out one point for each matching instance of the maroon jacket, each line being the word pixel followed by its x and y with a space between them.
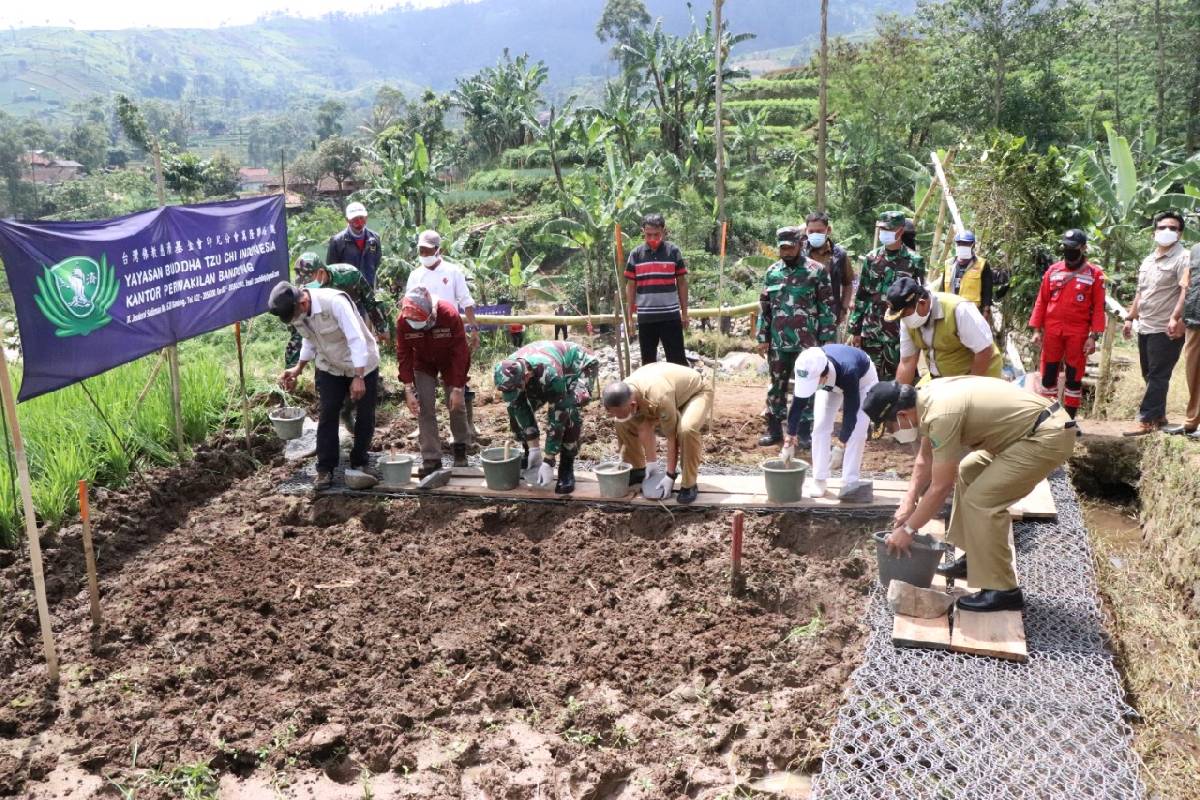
pixel 440 350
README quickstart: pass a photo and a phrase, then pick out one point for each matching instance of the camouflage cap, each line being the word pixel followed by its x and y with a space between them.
pixel 891 220
pixel 509 376
pixel 789 235
pixel 307 265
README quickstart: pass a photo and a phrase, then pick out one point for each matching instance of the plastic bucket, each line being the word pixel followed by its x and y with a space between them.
pixel 500 474
pixel 613 477
pixel 288 422
pixel 396 470
pixel 917 569
pixel 784 484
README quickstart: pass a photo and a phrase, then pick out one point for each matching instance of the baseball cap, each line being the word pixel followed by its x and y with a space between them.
pixel 1074 238
pixel 902 294
pixel 881 401
pixel 355 210
pixel 891 220
pixel 792 234
pixel 509 376
pixel 283 301
pixel 965 237
pixel 429 239
pixel 810 364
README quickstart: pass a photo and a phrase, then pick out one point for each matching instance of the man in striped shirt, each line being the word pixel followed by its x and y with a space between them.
pixel 656 287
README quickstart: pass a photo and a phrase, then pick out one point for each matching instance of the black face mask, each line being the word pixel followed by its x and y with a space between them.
pixel 1072 255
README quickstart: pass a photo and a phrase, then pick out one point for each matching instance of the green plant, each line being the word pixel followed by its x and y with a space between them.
pixel 807 630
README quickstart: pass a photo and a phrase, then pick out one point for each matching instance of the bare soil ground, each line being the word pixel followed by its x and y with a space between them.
pixel 437 649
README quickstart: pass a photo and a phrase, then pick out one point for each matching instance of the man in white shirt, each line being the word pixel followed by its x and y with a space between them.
pixel 951 331
pixel 347 357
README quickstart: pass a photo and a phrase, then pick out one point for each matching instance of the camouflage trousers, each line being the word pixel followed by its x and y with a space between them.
pixel 564 419
pixel 782 364
pixel 884 352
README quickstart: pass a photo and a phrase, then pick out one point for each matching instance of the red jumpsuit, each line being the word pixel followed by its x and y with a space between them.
pixel 1070 305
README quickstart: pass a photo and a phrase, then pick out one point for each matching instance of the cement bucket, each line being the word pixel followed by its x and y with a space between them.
pixel 500 474
pixel 288 422
pixel 613 477
pixel 395 470
pixel 917 569
pixel 784 484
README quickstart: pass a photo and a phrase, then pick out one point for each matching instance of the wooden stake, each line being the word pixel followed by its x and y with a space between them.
pixel 625 326
pixel 31 534
pixel 719 101
pixel 720 303
pixel 237 335
pixel 737 582
pixel 89 556
pixel 823 108
pixel 176 398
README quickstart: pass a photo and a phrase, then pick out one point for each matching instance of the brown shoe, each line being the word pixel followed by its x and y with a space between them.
pixel 323 481
pixel 1141 429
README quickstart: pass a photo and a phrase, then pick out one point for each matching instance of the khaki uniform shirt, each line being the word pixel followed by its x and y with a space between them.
pixel 1159 278
pixel 664 388
pixel 970 412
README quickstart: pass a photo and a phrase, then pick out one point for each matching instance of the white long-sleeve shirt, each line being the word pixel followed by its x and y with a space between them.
pixel 446 282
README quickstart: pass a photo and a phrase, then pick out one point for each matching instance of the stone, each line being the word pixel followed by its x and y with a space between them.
pixel 357 479
pixel 321 741
pixel 911 601
pixel 857 492
pixel 740 361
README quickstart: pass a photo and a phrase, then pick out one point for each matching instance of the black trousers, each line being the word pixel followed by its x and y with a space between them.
pixel 1157 353
pixel 333 391
pixel 667 331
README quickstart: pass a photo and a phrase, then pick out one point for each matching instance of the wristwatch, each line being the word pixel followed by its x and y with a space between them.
pixel 910 530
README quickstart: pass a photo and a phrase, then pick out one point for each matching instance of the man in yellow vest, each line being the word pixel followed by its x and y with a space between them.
pixel 950 331
pixel 968 275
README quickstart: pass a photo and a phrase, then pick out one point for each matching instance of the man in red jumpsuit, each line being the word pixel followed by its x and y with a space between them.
pixel 1067 318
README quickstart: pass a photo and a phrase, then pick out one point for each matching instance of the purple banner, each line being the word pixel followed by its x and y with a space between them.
pixel 93 295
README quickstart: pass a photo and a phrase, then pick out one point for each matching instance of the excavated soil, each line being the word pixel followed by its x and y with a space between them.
pixel 452 650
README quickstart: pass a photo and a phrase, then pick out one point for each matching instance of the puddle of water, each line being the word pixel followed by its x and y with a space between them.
pixel 1113 525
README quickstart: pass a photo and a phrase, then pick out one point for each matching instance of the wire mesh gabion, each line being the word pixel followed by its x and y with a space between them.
pixel 932 724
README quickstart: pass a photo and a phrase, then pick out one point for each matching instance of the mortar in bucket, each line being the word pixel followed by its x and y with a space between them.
pixel 917 569
pixel 396 470
pixel 785 483
pixel 501 474
pixel 613 477
pixel 288 422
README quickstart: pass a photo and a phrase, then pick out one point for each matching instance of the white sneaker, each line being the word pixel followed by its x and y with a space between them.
pixel 816 488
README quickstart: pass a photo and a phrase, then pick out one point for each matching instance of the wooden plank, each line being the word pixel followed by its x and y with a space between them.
pixel 1000 634
pixel 1038 504
pixel 928 634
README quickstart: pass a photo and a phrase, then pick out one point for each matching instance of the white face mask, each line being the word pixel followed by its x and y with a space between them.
pixel 429 261
pixel 627 417
pixel 816 240
pixel 887 238
pixel 915 320
pixel 419 325
pixel 964 252
pixel 1166 238
pixel 905 435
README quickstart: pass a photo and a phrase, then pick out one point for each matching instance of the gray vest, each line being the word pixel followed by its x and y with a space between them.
pixel 323 330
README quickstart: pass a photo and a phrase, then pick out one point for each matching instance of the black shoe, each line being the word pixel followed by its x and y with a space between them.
pixel 803 442
pixel 687 495
pixel 993 600
pixel 955 570
pixel 429 466
pixel 636 476
pixel 566 473
pixel 774 434
pixel 460 454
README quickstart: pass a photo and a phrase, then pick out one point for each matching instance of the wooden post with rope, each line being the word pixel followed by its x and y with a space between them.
pixel 31 533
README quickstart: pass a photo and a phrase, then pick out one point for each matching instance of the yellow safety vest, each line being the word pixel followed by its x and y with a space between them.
pixel 948 352
pixel 972 280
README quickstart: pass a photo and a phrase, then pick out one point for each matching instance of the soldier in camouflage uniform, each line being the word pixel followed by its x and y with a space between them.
pixel 312 273
pixel 562 376
pixel 868 329
pixel 796 312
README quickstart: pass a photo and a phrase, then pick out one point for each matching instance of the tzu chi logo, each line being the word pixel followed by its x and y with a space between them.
pixel 75 295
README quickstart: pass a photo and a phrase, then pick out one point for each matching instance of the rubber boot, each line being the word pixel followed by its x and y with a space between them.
pixel 774 434
pixel 469 396
pixel 566 473
pixel 460 454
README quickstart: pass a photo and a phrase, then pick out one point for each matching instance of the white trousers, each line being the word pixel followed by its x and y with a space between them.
pixel 826 407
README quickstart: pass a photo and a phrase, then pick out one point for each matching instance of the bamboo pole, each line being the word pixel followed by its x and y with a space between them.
pixel 742 310
pixel 950 203
pixel 720 300
pixel 172 350
pixel 625 327
pixel 719 128
pixel 89 555
pixel 237 336
pixel 31 534
pixel 823 108
pixel 1106 351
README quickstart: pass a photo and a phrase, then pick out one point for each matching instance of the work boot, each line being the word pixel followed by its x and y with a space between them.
pixel 460 454
pixel 566 473
pixel 955 570
pixel 636 476
pixel 469 396
pixel 687 495
pixel 774 434
pixel 993 600
pixel 323 481
pixel 429 466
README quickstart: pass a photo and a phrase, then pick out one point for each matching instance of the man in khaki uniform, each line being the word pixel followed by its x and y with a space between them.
pixel 673 399
pixel 990 442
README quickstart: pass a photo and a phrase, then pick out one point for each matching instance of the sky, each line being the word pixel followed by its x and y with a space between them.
pixel 93 15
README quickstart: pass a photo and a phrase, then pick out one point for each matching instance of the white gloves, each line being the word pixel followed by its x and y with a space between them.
pixel 535 459
pixel 836 456
pixel 788 453
pixel 546 474
pixel 657 484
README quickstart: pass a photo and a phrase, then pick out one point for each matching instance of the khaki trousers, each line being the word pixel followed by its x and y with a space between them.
pixel 988 484
pixel 427 424
pixel 692 417
pixel 1191 363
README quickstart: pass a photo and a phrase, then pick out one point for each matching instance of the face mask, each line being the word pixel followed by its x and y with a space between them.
pixel 419 325
pixel 964 252
pixel 817 240
pixel 915 320
pixel 904 435
pixel 1165 238
pixel 627 417
pixel 887 238
pixel 1072 255
pixel 429 261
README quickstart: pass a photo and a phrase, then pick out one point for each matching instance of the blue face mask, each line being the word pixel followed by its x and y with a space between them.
pixel 817 240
